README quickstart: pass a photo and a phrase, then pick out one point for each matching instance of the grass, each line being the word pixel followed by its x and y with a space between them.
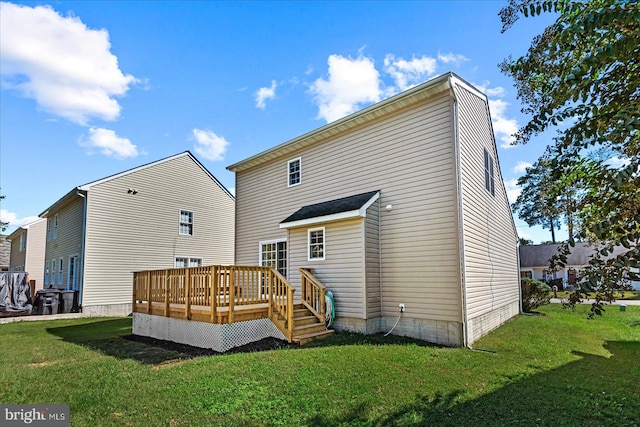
pixel 556 369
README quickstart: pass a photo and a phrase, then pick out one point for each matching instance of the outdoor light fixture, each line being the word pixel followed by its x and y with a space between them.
pixel 389 208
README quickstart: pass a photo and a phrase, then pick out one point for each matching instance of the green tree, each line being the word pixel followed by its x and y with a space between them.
pixel 584 71
pixel 525 242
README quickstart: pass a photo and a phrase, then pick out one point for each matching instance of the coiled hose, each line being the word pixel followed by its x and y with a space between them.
pixel 330 310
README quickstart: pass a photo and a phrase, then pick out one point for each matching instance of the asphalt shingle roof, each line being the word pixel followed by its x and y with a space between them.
pixel 344 204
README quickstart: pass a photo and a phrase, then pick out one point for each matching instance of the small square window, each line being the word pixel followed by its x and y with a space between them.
pixel 316 244
pixel 294 170
pixel 186 223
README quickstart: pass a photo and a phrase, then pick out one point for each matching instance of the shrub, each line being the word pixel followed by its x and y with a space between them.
pixel 534 294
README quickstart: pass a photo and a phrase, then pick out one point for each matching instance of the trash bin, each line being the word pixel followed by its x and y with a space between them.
pixel 48 301
pixel 67 299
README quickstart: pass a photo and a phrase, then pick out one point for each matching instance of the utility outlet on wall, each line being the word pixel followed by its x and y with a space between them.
pixel 401 307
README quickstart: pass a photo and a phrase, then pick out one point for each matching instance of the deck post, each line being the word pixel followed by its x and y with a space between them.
pixel 232 293
pixel 213 292
pixel 187 294
pixel 166 293
pixel 290 311
pixel 269 277
pixel 148 292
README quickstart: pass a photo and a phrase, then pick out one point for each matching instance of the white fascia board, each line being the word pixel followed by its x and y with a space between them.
pixel 326 218
pixel 363 209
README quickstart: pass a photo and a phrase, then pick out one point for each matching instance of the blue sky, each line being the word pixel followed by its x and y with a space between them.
pixel 93 88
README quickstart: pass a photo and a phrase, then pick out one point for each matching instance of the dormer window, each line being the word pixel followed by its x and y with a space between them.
pixel 294 169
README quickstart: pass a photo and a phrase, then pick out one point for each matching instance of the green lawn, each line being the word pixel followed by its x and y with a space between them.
pixel 558 369
pixel 627 296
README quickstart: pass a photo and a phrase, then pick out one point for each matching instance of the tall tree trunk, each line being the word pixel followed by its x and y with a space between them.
pixel 553 232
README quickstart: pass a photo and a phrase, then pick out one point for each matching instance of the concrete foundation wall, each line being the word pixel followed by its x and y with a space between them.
pixel 482 325
pixel 204 335
pixel 108 310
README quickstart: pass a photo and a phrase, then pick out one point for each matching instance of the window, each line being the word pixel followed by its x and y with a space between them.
pixel 294 171
pixel 48 230
pixel 526 274
pixel 316 244
pixel 22 243
pixel 55 226
pixel 186 223
pixel 46 272
pixel 187 262
pixel 60 272
pixel 274 254
pixel 489 180
pixel 52 277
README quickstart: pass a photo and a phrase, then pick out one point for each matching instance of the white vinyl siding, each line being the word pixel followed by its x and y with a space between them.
pixel 490 240
pixel 69 239
pixel 372 260
pixel 150 241
pixel 294 172
pixel 409 156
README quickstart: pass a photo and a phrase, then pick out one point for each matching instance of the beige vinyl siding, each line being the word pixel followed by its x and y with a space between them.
pixel 490 240
pixel 36 242
pixel 69 240
pixel 372 260
pixel 342 270
pixel 409 156
pixel 17 258
pixel 127 233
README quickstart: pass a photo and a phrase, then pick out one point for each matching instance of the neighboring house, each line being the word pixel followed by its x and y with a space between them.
pixel 165 214
pixel 534 262
pixel 400 203
pixel 5 251
pixel 27 250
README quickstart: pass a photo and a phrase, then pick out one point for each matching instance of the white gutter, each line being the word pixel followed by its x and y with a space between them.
pixel 84 233
pixel 463 287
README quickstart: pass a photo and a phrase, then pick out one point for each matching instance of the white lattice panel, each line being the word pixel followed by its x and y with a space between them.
pixel 204 335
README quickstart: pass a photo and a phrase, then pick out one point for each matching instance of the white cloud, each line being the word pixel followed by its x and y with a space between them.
pixel 66 67
pixel 209 145
pixel 521 167
pixel 406 73
pixel 513 191
pixel 502 126
pixel 497 92
pixel 13 220
pixel 351 83
pixel 454 58
pixel 265 93
pixel 109 144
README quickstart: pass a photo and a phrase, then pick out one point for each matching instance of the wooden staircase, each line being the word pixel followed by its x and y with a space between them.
pixel 306 326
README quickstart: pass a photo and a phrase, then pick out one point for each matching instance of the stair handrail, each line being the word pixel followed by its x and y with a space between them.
pixel 281 299
pixel 313 294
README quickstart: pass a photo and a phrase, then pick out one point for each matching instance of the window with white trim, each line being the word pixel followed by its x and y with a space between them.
pixel 186 223
pixel 52 278
pixel 184 262
pixel 55 226
pixel 489 179
pixel 274 254
pixel 48 229
pixel 22 244
pixel 46 272
pixel 315 238
pixel 294 171
pixel 60 272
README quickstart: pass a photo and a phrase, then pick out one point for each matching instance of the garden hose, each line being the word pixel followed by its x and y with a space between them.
pixel 330 311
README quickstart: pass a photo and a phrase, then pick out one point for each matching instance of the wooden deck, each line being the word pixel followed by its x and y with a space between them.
pixel 227 294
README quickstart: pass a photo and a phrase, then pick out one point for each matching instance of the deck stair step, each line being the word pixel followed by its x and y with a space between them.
pixel 306 338
pixel 307 327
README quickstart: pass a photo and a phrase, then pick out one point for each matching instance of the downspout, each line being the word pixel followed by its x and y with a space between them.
pixel 84 232
pixel 463 288
pixel 519 278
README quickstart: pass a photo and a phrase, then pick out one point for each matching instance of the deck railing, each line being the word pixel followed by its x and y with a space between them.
pixel 313 293
pixel 216 291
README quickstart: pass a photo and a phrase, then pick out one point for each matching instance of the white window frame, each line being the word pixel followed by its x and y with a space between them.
pixel 52 279
pixel 48 229
pixel 21 245
pixel 46 273
pixel 60 271
pixel 188 262
pixel 73 282
pixel 489 174
pixel 180 223
pixel 324 244
pixel 55 226
pixel 299 172
pixel 277 259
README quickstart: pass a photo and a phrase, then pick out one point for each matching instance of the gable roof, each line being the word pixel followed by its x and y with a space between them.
pixel 86 187
pixel 333 210
pixel 539 255
pixel 411 96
